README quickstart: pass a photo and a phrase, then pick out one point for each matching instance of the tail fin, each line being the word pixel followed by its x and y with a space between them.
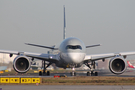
pixel 130 65
pixel 64 28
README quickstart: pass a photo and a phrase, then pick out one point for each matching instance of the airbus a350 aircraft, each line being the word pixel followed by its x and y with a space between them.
pixel 72 54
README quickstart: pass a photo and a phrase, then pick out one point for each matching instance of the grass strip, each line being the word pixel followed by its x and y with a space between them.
pixel 84 80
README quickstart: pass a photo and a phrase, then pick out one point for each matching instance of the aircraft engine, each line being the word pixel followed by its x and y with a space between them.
pixel 21 64
pixel 117 65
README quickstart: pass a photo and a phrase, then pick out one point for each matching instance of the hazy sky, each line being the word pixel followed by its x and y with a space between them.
pixel 108 22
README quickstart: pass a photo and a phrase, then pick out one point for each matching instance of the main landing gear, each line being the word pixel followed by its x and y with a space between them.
pixel 92 73
pixel 45 73
pixel 92 67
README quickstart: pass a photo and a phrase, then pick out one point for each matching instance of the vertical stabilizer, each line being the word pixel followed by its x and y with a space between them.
pixel 130 65
pixel 64 28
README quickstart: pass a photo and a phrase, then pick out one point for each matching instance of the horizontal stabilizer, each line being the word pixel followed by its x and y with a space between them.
pixel 42 46
pixel 93 45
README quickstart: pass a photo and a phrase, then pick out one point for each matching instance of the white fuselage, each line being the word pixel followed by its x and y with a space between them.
pixel 72 52
pixel 75 58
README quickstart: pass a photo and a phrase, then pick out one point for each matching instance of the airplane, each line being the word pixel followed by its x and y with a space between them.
pixel 72 54
pixel 130 65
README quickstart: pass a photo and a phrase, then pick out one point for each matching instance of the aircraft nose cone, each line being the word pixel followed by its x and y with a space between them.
pixel 75 57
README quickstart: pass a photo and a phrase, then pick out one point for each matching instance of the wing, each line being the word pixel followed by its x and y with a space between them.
pixel 47 57
pixel 108 55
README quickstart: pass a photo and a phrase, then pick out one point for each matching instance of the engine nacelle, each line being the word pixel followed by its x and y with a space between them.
pixel 117 65
pixel 21 64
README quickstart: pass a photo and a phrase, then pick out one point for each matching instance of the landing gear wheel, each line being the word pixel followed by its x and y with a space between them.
pixel 44 73
pixel 73 73
pixel 40 73
pixel 88 73
pixel 48 73
pixel 92 74
pixel 96 73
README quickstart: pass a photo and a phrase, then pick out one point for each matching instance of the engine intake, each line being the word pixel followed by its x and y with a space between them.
pixel 117 65
pixel 21 64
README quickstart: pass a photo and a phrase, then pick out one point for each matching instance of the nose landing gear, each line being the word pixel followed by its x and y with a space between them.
pixel 73 73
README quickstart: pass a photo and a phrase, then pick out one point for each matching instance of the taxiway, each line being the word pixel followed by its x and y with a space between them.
pixel 127 73
pixel 66 87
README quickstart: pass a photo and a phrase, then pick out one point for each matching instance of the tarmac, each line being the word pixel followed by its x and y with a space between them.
pixel 128 73
pixel 65 87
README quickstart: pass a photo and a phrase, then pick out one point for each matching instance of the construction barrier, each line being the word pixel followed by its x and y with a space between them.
pixel 19 80
pixel 14 80
pixel 25 80
pixel 4 80
pixel 35 80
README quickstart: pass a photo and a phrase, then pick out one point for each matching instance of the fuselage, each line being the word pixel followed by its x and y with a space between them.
pixel 72 52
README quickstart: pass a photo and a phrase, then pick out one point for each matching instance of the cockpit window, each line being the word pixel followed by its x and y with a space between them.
pixel 74 47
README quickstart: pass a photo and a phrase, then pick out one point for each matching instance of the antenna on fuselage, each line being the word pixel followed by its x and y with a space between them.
pixel 64 28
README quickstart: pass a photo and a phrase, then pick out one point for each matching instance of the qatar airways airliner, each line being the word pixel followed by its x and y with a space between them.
pixel 72 54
